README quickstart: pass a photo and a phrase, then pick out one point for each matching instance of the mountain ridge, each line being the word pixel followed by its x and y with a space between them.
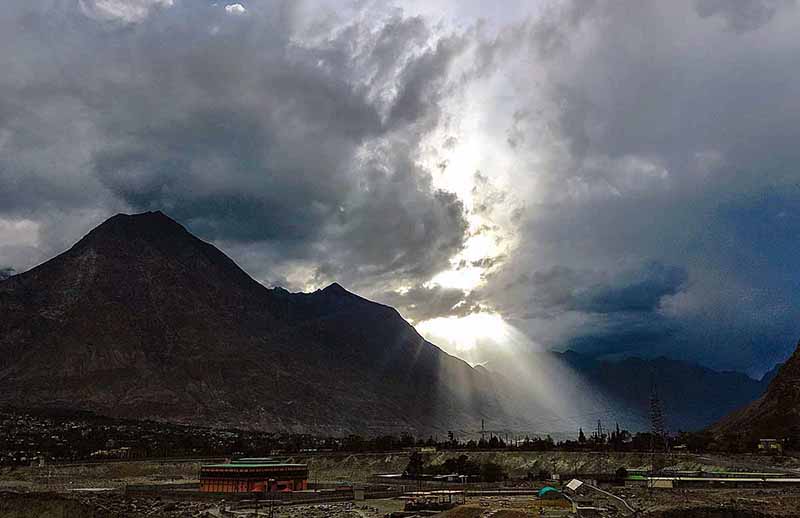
pixel 142 319
pixel 693 396
pixel 776 414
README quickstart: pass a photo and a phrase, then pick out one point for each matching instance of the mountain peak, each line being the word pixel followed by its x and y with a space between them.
pixel 148 226
pixel 143 221
pixel 336 289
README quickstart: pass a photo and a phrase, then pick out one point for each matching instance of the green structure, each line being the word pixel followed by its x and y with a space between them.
pixel 549 492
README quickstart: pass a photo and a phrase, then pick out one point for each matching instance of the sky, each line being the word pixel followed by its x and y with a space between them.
pixel 619 178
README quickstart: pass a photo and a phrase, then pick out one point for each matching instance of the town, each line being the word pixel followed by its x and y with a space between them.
pixel 79 460
pixel 45 436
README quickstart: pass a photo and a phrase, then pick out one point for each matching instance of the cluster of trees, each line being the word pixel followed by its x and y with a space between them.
pixel 73 436
pixel 461 465
pixel 616 439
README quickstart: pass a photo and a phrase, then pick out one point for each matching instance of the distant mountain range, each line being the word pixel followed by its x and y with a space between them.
pixel 691 396
pixel 140 319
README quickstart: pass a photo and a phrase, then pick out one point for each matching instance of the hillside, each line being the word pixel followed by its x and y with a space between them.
pixel 776 414
pixel 141 319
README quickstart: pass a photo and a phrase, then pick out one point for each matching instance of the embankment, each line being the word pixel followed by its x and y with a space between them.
pixel 43 505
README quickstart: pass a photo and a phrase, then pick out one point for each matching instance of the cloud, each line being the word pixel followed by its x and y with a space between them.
pixel 616 176
pixel 235 9
pixel 635 149
pixel 742 15
pixel 419 303
pixel 598 292
pixel 292 135
pixel 124 11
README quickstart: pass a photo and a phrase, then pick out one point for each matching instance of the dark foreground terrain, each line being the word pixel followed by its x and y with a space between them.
pixel 98 489
pixel 648 504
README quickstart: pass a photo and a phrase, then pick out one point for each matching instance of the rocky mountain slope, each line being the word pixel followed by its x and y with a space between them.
pixel 776 414
pixel 141 319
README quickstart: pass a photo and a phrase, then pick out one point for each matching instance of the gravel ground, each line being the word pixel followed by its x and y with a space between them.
pixel 509 507
pixel 783 503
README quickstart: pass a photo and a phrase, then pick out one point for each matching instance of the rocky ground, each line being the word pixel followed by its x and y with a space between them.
pixel 340 510
pixel 510 507
pixel 53 505
pixel 50 491
pixel 739 503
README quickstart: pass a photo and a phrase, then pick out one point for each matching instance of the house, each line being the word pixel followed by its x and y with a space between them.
pixel 770 447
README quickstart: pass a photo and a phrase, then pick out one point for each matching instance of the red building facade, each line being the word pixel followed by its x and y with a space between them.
pixel 256 477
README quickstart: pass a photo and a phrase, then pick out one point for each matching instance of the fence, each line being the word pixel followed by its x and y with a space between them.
pixel 192 492
pixel 406 485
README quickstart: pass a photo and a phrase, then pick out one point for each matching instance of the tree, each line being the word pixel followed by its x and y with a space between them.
pixel 415 466
pixel 581 436
pixel 406 440
pixel 461 465
pixel 496 442
pixel 491 472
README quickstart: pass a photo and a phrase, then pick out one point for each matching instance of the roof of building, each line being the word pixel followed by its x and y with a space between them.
pixel 574 484
pixel 547 489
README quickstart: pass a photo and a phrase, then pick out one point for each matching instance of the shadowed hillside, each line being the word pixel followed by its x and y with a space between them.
pixel 776 414
pixel 142 319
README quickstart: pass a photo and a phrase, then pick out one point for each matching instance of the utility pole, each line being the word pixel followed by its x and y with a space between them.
pixel 599 445
pixel 657 427
pixel 658 431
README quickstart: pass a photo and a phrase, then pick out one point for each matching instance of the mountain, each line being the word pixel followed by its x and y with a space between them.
pixel 140 319
pixel 768 376
pixel 584 388
pixel 692 396
pixel 776 414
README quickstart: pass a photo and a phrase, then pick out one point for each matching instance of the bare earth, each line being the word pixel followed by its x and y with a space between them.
pixel 54 491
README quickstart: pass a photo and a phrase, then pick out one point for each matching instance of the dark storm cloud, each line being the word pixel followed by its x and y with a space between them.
pixel 665 141
pixel 649 152
pixel 267 127
pixel 626 336
pixel 742 15
pixel 630 292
